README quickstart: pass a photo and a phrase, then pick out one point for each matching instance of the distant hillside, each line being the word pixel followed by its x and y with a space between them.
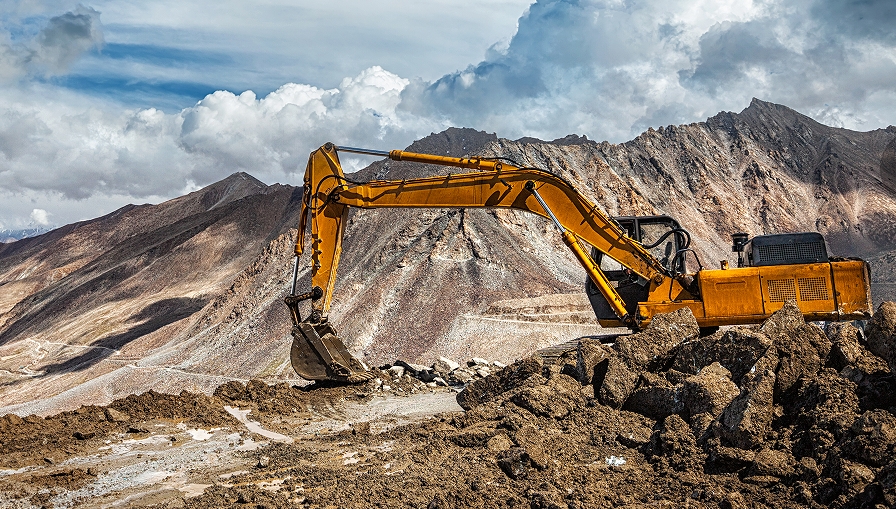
pixel 188 293
pixel 7 235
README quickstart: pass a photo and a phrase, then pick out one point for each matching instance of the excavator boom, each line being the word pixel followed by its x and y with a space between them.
pixel 319 354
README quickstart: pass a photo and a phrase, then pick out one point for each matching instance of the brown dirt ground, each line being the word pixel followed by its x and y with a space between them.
pixel 781 415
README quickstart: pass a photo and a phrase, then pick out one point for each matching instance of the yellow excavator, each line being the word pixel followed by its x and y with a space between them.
pixel 637 265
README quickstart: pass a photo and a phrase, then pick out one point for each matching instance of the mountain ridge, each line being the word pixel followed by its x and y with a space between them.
pixel 187 293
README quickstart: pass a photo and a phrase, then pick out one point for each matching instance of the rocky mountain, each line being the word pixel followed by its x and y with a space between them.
pixel 187 293
pixel 9 235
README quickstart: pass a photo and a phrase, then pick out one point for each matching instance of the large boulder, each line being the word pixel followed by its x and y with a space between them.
pixel 559 397
pixel 881 333
pixel 614 382
pixel 802 348
pixel 706 395
pixel 646 349
pixel 886 478
pixel 589 354
pixel 847 349
pixel 655 397
pixel 616 376
pixel 872 438
pixel 736 349
pixel 496 384
pixel 673 446
pixel 822 409
pixel 826 400
pixel 769 462
pixel 746 420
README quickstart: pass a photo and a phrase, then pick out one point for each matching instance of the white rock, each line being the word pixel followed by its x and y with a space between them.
pixel 440 381
pixel 483 372
pixel 499 365
pixel 396 371
pixel 478 361
pixel 414 368
pixel 615 461
pixel 445 365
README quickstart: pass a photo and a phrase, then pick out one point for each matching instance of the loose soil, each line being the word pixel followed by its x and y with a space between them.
pixel 785 414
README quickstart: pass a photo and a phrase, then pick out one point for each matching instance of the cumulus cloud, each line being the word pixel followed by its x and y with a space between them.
pixel 604 68
pixel 611 68
pixel 40 217
pixel 55 48
pixel 150 153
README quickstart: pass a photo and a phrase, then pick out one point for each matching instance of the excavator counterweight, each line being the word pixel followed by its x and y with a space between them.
pixel 637 285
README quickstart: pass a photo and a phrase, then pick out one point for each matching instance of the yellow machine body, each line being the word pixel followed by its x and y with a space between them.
pixel 829 291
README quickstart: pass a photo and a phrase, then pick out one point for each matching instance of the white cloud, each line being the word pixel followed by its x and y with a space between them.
pixel 49 144
pixel 604 68
pixel 610 69
pixel 40 217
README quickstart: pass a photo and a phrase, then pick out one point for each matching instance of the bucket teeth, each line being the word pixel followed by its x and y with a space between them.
pixel 317 356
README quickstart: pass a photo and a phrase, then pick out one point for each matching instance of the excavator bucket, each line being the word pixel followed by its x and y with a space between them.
pixel 318 354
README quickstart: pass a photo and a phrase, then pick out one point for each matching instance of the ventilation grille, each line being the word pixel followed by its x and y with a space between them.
pixel 780 290
pixel 813 288
pixel 791 252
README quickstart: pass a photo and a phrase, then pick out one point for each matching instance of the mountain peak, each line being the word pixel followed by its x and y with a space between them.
pixel 452 142
pixel 758 106
pixel 236 186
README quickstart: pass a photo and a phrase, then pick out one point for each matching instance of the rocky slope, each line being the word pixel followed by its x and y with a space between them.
pixel 186 294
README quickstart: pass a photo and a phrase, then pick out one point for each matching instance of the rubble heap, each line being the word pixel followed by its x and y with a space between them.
pixel 788 405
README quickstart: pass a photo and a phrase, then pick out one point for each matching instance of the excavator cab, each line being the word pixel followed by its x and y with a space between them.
pixel 662 236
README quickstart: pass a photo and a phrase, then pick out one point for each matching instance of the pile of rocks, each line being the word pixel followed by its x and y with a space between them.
pixel 444 372
pixel 785 403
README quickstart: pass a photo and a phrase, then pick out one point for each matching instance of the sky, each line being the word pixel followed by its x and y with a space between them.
pixel 105 103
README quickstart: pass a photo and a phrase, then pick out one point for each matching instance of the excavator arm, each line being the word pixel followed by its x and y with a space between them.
pixel 494 184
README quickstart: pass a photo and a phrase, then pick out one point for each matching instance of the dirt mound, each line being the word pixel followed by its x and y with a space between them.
pixel 770 416
pixel 38 440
